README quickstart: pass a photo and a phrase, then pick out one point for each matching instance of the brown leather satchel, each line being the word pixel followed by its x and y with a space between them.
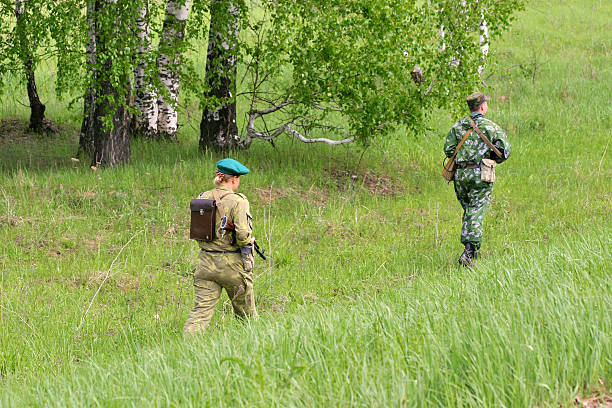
pixel 203 220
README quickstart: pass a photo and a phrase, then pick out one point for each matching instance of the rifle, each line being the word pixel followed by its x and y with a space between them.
pixel 228 225
pixel 259 251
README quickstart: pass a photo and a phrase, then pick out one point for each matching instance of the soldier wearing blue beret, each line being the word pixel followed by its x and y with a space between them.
pixel 227 261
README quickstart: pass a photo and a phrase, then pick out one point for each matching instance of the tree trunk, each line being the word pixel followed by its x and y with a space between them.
pixel 484 41
pixel 37 108
pixel 173 33
pixel 111 145
pixel 86 137
pixel 218 129
pixel 145 99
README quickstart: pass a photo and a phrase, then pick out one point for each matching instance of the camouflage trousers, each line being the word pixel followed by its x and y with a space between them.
pixel 216 271
pixel 474 195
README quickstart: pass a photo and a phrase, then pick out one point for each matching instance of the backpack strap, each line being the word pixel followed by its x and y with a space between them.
pixel 484 138
pixel 222 212
pixel 218 200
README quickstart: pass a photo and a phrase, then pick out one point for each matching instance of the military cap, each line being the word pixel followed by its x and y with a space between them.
pixel 476 99
pixel 232 167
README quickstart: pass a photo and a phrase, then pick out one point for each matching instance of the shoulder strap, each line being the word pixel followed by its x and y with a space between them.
pixel 230 224
pixel 218 200
pixel 484 138
pixel 460 143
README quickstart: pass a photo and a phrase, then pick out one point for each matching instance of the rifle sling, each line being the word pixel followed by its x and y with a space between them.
pixel 484 138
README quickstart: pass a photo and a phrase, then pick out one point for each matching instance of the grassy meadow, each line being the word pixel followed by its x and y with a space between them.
pixel 362 302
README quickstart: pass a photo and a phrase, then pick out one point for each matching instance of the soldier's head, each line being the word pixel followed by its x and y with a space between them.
pixel 229 172
pixel 477 102
pixel 227 180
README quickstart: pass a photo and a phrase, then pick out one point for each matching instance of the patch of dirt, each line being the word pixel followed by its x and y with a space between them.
pixel 89 195
pixel 172 230
pixel 122 283
pixel 91 244
pixel 10 221
pixel 13 129
pixel 599 398
pixel 16 130
pixel 374 183
pixel 270 194
pixel 504 98
pixel 273 304
pixel 313 195
pixel 598 401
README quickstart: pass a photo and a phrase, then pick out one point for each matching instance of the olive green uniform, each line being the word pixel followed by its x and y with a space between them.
pixel 222 265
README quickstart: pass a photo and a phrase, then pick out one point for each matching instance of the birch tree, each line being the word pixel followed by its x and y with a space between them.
pixel 145 97
pixel 218 128
pixel 37 108
pixel 86 136
pixel 171 47
pixel 111 85
pixel 343 71
pixel 23 33
pixel 484 40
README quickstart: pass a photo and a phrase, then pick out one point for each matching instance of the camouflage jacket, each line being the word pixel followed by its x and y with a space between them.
pixel 237 210
pixel 474 149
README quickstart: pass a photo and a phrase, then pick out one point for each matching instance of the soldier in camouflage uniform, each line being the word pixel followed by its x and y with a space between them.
pixel 227 261
pixel 474 194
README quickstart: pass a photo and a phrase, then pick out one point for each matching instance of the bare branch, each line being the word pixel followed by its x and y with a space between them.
pixel 383 125
pixel 318 139
pixel 324 126
pixel 272 109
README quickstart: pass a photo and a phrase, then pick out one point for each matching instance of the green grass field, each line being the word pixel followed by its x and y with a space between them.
pixel 362 302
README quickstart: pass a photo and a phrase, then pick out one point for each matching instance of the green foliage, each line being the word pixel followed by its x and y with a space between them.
pixel 344 66
pixel 19 42
pixel 352 60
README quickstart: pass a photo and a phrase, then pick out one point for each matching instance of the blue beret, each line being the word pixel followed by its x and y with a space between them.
pixel 232 167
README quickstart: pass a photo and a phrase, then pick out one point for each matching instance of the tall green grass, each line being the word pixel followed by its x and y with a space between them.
pixel 362 302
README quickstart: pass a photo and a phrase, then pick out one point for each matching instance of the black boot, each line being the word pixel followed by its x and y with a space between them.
pixel 468 256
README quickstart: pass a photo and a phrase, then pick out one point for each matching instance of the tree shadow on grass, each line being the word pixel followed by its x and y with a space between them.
pixel 20 148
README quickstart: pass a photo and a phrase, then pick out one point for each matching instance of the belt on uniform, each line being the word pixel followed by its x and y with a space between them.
pixel 468 165
pixel 222 252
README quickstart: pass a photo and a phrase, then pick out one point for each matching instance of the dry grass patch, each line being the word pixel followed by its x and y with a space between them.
pixel 372 182
pixel 599 398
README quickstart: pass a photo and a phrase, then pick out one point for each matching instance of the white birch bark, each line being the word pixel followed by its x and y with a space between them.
pixel 484 40
pixel 168 64
pixel 37 108
pixel 218 128
pixel 145 98
pixel 111 146
pixel 86 138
